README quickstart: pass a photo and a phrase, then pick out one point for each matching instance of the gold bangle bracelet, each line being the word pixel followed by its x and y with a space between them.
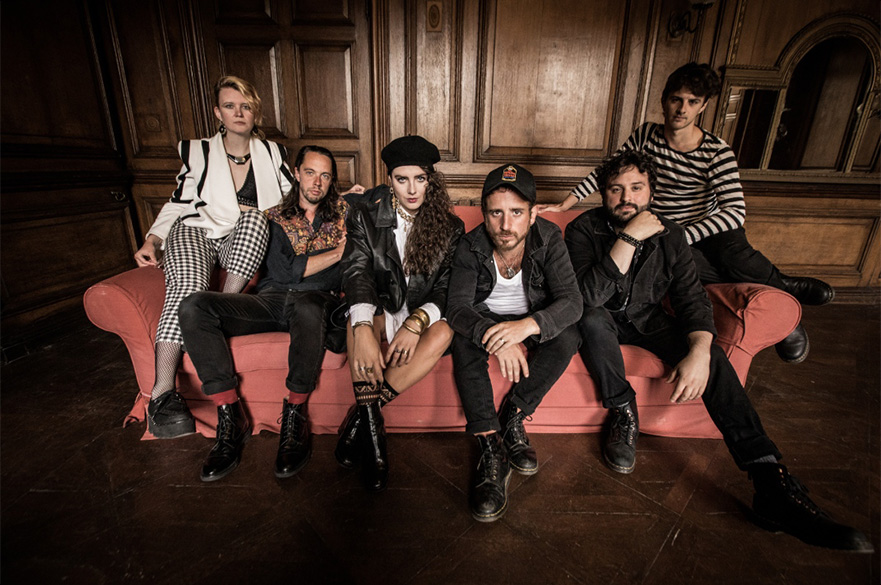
pixel 416 321
pixel 362 323
pixel 422 316
pixel 410 329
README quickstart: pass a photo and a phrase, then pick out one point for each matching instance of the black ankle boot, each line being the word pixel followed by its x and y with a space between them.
pixel 781 503
pixel 808 291
pixel 294 441
pixel 619 450
pixel 168 416
pixel 232 432
pixel 489 490
pixel 374 457
pixel 521 455
pixel 347 446
pixel 794 347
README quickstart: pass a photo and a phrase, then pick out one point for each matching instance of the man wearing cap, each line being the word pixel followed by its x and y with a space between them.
pixel 396 269
pixel 511 283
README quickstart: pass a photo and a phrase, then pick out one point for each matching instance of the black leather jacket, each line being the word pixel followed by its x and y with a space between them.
pixel 551 289
pixel 373 271
pixel 665 267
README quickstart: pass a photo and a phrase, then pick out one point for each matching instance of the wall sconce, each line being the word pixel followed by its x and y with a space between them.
pixel 680 22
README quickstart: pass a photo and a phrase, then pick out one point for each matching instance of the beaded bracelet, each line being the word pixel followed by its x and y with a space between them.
pixel 629 239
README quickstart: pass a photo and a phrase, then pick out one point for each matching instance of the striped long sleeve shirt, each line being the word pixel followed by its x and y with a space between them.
pixel 700 190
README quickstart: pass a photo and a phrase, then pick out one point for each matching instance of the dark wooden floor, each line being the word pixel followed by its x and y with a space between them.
pixel 85 501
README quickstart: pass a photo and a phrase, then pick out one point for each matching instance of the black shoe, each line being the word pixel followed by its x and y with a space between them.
pixel 489 490
pixel 232 432
pixel 521 455
pixel 294 441
pixel 620 448
pixel 781 503
pixel 168 416
pixel 374 457
pixel 346 451
pixel 794 347
pixel 808 291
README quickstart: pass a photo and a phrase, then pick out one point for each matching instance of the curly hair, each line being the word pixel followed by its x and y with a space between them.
pixel 700 80
pixel 433 227
pixel 249 92
pixel 328 208
pixel 613 166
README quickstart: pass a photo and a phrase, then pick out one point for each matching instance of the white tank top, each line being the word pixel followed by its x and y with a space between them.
pixel 508 296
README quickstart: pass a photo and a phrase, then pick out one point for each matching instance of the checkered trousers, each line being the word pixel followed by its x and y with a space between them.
pixel 190 258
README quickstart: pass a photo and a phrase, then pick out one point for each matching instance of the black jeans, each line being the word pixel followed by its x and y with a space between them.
pixel 729 257
pixel 208 318
pixel 547 362
pixel 725 399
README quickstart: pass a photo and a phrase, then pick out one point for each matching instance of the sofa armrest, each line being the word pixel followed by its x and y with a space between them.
pixel 751 317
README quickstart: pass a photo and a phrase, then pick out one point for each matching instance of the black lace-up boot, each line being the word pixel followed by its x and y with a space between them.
pixel 521 455
pixel 489 491
pixel 294 442
pixel 169 417
pixel 781 503
pixel 232 432
pixel 620 448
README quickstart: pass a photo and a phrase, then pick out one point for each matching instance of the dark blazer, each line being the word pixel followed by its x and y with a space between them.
pixel 554 300
pixel 666 267
pixel 373 270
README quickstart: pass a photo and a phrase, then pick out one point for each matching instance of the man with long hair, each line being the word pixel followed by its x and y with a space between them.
pixel 628 260
pixel 511 283
pixel 299 291
pixel 400 244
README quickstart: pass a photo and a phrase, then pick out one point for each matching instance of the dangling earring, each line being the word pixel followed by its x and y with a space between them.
pixel 255 130
pixel 392 191
pixel 222 129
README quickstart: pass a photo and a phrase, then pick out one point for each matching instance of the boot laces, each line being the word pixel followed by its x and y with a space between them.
pixel 623 426
pixel 514 430
pixel 490 464
pixel 798 493
pixel 289 424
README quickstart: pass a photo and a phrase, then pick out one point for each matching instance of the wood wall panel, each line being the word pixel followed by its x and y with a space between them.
pixel 323 12
pixel 246 11
pixel 326 91
pixel 259 64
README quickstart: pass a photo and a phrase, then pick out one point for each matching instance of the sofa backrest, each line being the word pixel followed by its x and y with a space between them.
pixel 472 216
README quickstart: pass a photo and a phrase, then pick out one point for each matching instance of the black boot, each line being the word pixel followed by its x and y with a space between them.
pixel 346 451
pixel 521 455
pixel 168 416
pixel 781 503
pixel 374 457
pixel 294 441
pixel 489 490
pixel 620 448
pixel 795 347
pixel 808 291
pixel 232 432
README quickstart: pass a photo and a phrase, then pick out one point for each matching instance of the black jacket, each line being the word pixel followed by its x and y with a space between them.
pixel 665 267
pixel 551 289
pixel 373 271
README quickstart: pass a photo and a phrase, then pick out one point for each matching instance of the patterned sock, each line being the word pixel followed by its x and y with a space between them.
pixel 387 393
pixel 167 360
pixel 365 393
pixel 224 398
pixel 297 397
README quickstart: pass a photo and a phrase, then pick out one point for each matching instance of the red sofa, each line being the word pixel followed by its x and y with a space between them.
pixel 749 318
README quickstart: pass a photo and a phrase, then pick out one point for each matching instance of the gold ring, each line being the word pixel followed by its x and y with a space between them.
pixel 369 370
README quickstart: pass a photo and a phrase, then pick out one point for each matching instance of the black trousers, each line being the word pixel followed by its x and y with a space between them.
pixel 729 257
pixel 725 399
pixel 208 318
pixel 547 362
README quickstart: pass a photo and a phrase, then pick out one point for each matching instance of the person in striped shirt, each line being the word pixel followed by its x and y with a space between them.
pixel 699 188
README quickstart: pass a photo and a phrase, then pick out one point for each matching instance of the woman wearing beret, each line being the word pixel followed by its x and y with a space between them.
pixel 214 216
pixel 396 268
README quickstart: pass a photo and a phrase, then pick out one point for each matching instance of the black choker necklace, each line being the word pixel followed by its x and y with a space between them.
pixel 239 160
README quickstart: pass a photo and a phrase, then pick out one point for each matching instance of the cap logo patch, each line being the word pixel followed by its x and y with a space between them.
pixel 509 174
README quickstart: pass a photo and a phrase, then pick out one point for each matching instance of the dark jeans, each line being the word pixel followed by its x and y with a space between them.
pixel 547 362
pixel 725 399
pixel 208 318
pixel 729 257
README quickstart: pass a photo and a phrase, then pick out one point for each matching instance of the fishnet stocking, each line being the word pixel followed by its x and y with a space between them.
pixel 167 359
pixel 234 283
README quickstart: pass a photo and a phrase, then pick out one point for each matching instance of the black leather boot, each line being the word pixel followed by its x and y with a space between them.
pixel 294 441
pixel 374 457
pixel 781 503
pixel 521 455
pixel 794 347
pixel 489 489
pixel 620 448
pixel 809 291
pixel 232 432
pixel 169 417
pixel 347 446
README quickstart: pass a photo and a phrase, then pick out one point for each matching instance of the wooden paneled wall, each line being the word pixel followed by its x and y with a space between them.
pixel 96 98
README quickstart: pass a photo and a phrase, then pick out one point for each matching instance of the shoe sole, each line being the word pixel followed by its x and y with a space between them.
pixel 502 510
pixel 230 469
pixel 293 472
pixel 522 471
pixel 173 431
pixel 618 468
pixel 345 464
pixel 776 528
pixel 798 359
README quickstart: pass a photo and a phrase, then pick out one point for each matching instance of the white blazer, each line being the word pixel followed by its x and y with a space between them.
pixel 206 196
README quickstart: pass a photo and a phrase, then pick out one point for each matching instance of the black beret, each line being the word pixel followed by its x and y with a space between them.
pixel 513 176
pixel 409 150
